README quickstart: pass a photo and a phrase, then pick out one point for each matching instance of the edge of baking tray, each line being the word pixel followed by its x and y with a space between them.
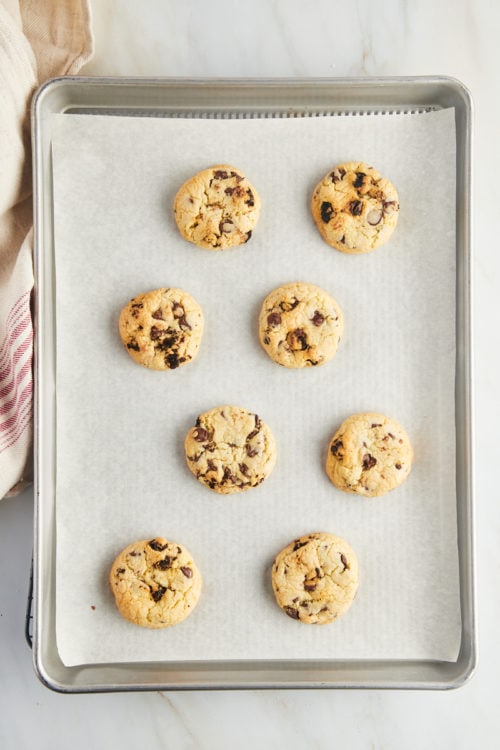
pixel 272 97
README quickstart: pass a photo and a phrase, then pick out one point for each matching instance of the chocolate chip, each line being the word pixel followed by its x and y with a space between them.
pixel 158 314
pixel 358 182
pixel 267 340
pixel 250 202
pixel 187 572
pixel 177 310
pixel 374 217
pixel 356 208
pixel 274 319
pixel 335 447
pixel 249 234
pixel 157 595
pixel 172 360
pixel 155 544
pixel 398 466
pixel 133 345
pixel 180 315
pixel 167 343
pixel 327 211
pixel 211 465
pixel 298 544
pixel 342 239
pixel 229 476
pixel 221 174
pixel 390 207
pixel 244 470
pixel 310 586
pixel 163 564
pixel 287 305
pixel 375 424
pixel 200 434
pixel 292 612
pixel 369 461
pixel 337 174
pixel 252 434
pixel 251 452
pixel 157 333
pixel 391 435
pixel 297 340
pixel 226 226
pixel 318 318
pixel 120 570
pixel 343 560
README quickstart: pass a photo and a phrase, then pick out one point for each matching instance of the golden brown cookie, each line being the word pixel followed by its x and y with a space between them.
pixel 162 329
pixel 370 454
pixel 230 449
pixel 315 578
pixel 300 325
pixel 155 583
pixel 217 208
pixel 355 208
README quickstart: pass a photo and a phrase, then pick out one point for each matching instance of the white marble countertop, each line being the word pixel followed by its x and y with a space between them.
pixel 228 38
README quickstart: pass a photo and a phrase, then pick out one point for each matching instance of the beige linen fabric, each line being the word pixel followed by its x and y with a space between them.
pixel 39 39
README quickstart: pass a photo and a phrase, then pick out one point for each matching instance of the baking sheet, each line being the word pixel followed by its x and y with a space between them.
pixel 120 429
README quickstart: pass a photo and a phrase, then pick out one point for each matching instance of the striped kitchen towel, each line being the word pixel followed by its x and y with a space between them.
pixel 39 39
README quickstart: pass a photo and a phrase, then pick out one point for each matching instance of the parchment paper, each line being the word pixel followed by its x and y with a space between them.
pixel 121 474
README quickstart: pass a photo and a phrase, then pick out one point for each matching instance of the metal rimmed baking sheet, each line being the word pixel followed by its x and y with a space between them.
pixel 162 98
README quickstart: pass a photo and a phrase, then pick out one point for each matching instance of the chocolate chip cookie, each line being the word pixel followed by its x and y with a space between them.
pixel 162 329
pixel 300 325
pixel 230 449
pixel 155 583
pixel 315 578
pixel 355 208
pixel 218 208
pixel 370 454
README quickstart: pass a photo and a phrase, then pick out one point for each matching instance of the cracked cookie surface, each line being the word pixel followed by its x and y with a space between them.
pixel 217 208
pixel 162 329
pixel 355 208
pixel 370 454
pixel 315 578
pixel 155 583
pixel 300 325
pixel 230 449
